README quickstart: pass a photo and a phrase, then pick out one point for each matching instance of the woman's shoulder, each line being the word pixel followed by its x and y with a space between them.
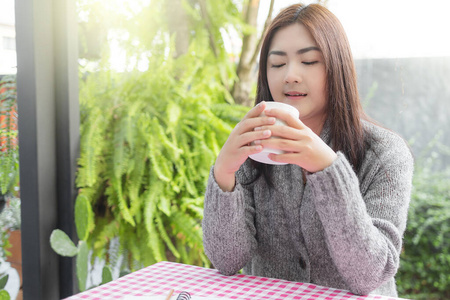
pixel 376 135
pixel 385 143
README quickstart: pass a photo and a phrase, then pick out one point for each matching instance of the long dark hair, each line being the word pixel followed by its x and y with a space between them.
pixel 344 110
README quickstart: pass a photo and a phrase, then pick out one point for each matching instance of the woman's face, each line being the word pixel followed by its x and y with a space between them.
pixel 296 73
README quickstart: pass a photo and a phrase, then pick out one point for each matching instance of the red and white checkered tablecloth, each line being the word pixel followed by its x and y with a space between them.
pixel 159 278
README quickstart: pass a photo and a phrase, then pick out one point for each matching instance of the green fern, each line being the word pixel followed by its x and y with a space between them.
pixel 148 140
pixel 165 237
pixel 153 237
pixel 92 132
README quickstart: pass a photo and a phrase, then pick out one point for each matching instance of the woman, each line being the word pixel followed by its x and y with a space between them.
pixel 334 215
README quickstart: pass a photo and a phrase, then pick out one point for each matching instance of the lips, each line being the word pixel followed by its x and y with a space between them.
pixel 295 94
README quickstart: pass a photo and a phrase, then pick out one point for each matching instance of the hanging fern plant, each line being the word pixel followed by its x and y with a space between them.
pixel 148 141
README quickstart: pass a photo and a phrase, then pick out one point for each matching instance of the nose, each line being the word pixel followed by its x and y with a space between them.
pixel 293 74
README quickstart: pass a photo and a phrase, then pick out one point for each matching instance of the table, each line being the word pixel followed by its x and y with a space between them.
pixel 159 278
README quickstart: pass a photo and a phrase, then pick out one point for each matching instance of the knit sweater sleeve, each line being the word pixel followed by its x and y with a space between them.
pixel 228 227
pixel 364 217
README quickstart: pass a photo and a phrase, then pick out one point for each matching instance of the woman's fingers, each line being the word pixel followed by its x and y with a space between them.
pixel 254 136
pixel 282 115
pixel 255 111
pixel 300 144
pixel 282 144
pixel 309 152
pixel 249 125
pixel 249 150
pixel 240 144
pixel 284 132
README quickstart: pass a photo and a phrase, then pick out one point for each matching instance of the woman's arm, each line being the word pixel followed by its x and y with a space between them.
pixel 228 227
pixel 364 228
pixel 228 220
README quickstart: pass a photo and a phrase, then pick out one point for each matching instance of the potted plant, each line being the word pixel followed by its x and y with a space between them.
pixel 9 281
pixel 9 146
pixel 4 276
pixel 10 238
pixel 10 222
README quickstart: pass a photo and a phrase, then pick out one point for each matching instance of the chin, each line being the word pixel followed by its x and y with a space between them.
pixel 293 103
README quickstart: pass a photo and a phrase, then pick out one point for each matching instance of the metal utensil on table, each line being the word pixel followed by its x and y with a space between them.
pixel 184 296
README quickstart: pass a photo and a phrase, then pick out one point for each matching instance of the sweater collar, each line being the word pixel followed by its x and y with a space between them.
pixel 325 134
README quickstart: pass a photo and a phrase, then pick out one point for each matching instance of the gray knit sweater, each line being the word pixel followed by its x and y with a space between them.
pixel 340 229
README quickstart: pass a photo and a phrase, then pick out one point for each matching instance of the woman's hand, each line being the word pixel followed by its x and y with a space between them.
pixel 239 146
pixel 302 146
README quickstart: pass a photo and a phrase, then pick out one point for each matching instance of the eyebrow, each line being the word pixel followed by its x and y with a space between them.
pixel 301 51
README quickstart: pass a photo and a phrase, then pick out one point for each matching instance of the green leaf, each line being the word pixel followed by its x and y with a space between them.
pixel 154 241
pixel 84 217
pixel 157 163
pixel 185 226
pixel 92 143
pixel 174 113
pixel 125 211
pixel 4 295
pixel 3 281
pixel 106 275
pixel 165 236
pixel 82 265
pixel 62 244
pixel 164 205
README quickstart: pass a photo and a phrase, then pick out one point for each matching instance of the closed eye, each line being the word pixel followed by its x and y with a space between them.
pixel 277 66
pixel 310 62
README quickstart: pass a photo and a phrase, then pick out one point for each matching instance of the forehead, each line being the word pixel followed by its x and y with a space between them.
pixel 292 37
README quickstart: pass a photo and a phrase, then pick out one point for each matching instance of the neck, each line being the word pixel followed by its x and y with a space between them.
pixel 316 125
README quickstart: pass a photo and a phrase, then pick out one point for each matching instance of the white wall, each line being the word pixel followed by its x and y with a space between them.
pixel 8 58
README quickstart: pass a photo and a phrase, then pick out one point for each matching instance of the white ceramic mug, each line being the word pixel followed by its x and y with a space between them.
pixel 263 155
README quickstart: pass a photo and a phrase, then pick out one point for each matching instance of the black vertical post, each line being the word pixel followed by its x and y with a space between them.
pixel 67 128
pixel 47 93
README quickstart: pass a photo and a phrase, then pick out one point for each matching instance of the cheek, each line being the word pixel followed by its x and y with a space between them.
pixel 273 81
pixel 323 85
pixel 321 82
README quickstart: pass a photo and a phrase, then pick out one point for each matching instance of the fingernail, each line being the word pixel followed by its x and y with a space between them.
pixel 257 142
pixel 259 147
pixel 272 120
pixel 266 132
pixel 257 128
